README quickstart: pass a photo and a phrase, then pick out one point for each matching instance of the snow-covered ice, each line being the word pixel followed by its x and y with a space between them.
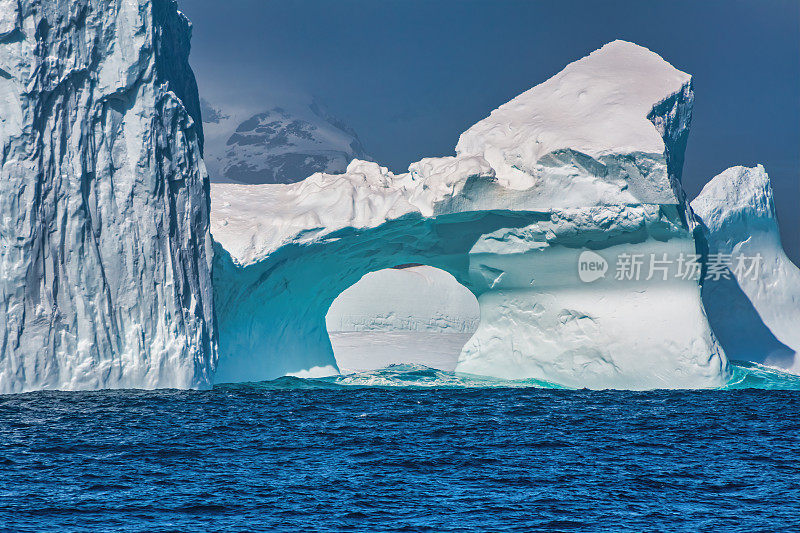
pixel 592 112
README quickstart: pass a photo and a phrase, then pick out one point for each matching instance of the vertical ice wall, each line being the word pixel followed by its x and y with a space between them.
pixel 754 305
pixel 104 244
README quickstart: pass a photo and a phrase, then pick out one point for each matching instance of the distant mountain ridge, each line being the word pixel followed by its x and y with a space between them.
pixel 283 144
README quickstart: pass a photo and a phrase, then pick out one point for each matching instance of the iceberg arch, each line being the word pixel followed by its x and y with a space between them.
pixel 582 169
pixel 536 319
pixel 272 318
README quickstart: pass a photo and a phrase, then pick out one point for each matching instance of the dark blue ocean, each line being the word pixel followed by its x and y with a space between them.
pixel 406 449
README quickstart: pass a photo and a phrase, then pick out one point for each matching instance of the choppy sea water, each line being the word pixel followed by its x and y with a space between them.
pixel 405 448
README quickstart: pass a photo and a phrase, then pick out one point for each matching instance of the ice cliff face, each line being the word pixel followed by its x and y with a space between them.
pixel 755 315
pixel 104 245
pixel 281 145
pixel 536 215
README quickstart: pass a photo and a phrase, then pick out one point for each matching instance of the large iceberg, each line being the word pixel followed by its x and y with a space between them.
pixel 104 245
pixel 754 310
pixel 562 212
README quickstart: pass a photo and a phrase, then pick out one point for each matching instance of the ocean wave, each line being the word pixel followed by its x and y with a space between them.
pixel 744 375
pixel 747 375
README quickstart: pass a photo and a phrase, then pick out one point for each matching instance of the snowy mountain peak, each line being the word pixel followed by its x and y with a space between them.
pixel 283 144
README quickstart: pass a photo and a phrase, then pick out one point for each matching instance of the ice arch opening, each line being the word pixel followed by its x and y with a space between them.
pixel 408 314
pixel 272 313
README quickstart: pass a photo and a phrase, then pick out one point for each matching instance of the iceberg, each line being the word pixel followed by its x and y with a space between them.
pixel 562 212
pixel 105 251
pixel 754 311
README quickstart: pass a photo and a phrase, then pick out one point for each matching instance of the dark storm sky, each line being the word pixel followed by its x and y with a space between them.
pixel 409 76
